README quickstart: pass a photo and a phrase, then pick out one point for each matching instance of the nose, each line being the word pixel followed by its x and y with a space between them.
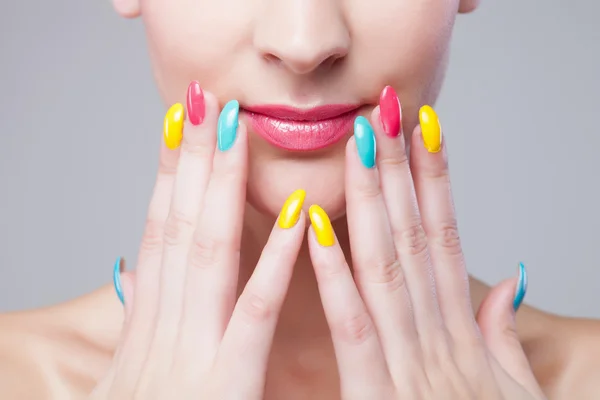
pixel 302 35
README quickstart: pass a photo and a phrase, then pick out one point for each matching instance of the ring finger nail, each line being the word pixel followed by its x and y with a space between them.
pixel 430 129
pixel 365 141
pixel 227 125
pixel 321 225
pixel 173 126
pixel 390 112
pixel 290 212
pixel 117 269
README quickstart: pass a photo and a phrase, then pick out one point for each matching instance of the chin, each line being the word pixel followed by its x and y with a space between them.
pixel 274 174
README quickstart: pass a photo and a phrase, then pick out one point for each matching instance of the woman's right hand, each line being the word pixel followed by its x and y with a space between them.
pixel 186 333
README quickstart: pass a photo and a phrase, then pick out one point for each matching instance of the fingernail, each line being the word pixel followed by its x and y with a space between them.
pixel 521 287
pixel 290 212
pixel 118 268
pixel 365 141
pixel 195 103
pixel 227 126
pixel 430 129
pixel 173 126
pixel 390 112
pixel 321 225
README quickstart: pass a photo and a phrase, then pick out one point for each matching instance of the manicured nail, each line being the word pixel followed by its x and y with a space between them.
pixel 390 112
pixel 321 225
pixel 365 141
pixel 290 212
pixel 521 287
pixel 117 269
pixel 430 129
pixel 195 103
pixel 227 125
pixel 173 126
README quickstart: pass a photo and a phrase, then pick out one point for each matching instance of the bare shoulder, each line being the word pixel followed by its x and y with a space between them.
pixel 25 370
pixel 567 362
pixel 54 353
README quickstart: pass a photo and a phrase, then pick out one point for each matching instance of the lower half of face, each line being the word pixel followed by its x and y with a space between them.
pixel 302 70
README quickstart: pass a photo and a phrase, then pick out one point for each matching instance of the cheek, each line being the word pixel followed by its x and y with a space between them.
pixel 195 40
pixel 403 44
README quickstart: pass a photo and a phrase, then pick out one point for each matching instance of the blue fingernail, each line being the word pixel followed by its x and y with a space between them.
pixel 365 141
pixel 227 125
pixel 117 279
pixel 521 287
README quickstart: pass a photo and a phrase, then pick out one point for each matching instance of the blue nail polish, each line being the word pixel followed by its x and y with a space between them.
pixel 365 141
pixel 521 287
pixel 227 125
pixel 117 280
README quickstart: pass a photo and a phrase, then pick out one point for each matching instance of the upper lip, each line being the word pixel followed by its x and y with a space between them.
pixel 291 113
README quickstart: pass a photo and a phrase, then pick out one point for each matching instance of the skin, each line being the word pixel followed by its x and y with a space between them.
pixel 290 48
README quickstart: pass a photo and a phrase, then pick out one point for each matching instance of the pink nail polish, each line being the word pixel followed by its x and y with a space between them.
pixel 195 103
pixel 389 111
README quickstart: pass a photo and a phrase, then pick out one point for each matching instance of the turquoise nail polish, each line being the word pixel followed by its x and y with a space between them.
pixel 365 141
pixel 227 125
pixel 521 287
pixel 117 279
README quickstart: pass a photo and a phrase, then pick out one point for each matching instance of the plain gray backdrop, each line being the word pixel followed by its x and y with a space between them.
pixel 81 121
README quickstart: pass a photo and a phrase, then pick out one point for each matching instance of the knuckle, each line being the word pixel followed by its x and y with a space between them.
pixel 368 188
pixel 256 308
pixel 389 274
pixel 197 148
pixel 152 239
pixel 396 161
pixel 355 330
pixel 447 238
pixel 177 227
pixel 412 240
pixel 207 251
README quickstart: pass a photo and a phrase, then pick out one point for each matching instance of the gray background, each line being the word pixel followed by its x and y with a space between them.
pixel 81 119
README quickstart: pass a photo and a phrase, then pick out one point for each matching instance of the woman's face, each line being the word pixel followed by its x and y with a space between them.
pixel 294 56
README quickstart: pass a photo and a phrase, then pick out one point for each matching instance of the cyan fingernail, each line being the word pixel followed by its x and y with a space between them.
pixel 117 279
pixel 521 287
pixel 365 141
pixel 227 125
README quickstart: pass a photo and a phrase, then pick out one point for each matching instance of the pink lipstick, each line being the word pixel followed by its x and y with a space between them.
pixel 298 129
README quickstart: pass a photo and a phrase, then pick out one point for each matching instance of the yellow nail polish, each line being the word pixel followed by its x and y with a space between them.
pixel 321 225
pixel 173 126
pixel 430 129
pixel 290 212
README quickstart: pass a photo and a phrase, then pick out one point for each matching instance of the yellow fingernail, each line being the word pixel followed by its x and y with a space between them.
pixel 173 126
pixel 430 129
pixel 321 225
pixel 290 212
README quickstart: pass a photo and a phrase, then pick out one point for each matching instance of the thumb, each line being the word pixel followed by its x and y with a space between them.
pixel 496 320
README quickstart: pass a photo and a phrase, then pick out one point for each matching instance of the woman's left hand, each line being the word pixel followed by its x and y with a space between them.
pixel 403 326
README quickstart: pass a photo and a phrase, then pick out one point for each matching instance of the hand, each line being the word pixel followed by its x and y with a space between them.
pixel 403 327
pixel 185 336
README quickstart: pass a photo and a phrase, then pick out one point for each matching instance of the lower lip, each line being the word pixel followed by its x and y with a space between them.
pixel 302 135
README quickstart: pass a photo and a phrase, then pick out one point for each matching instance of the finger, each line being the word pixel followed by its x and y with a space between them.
pixel 405 220
pixel 432 182
pixel 124 287
pixel 245 348
pixel 496 319
pixel 213 262
pixel 139 332
pixel 191 182
pixel 359 355
pixel 377 271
